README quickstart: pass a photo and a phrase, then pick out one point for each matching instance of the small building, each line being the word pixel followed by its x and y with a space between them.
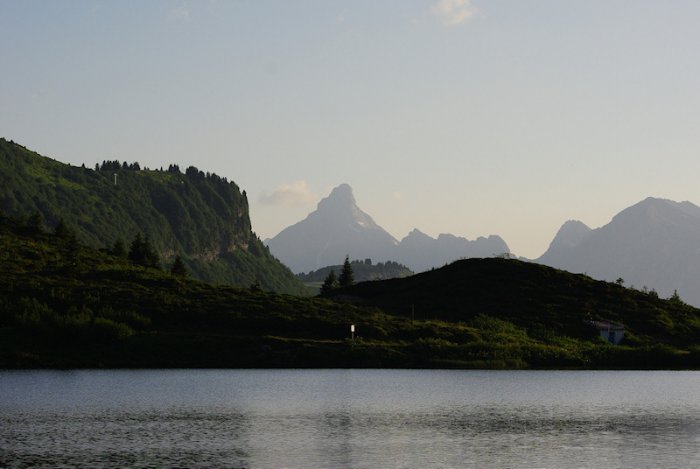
pixel 611 331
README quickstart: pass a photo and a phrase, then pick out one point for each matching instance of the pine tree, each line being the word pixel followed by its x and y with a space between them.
pixel 347 277
pixel 676 298
pixel 62 230
pixel 119 249
pixel 142 252
pixel 36 222
pixel 136 250
pixel 256 287
pixel 329 284
pixel 178 268
pixel 152 258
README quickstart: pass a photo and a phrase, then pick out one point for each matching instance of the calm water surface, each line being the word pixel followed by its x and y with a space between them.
pixel 350 418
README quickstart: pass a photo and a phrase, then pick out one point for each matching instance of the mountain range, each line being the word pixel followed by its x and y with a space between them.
pixel 339 228
pixel 203 218
pixel 652 245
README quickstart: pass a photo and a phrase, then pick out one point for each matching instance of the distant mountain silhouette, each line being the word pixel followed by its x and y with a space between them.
pixel 653 244
pixel 338 227
pixel 572 233
pixel 421 252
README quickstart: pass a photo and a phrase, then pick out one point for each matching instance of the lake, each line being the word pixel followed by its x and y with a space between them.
pixel 350 418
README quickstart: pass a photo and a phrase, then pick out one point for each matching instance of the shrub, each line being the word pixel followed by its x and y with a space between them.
pixel 106 329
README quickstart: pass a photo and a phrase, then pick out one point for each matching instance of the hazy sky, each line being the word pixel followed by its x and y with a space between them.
pixel 470 117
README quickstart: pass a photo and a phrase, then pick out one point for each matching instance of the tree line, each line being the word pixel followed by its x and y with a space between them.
pixel 191 171
pixel 141 251
pixel 345 279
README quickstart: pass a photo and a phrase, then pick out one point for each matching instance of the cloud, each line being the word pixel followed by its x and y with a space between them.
pixel 454 12
pixel 295 194
pixel 340 19
pixel 181 13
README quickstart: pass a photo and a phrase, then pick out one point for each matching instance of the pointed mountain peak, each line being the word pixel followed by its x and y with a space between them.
pixel 570 235
pixel 342 191
pixel 417 234
pixel 339 198
pixel 573 226
pixel 338 227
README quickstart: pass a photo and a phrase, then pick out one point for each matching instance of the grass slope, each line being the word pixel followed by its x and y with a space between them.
pixel 540 301
pixel 63 304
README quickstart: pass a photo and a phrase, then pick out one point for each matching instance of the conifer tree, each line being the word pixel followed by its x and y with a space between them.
pixel 152 259
pixel 142 252
pixel 65 232
pixel 346 277
pixel 62 230
pixel 329 284
pixel 256 287
pixel 36 222
pixel 178 268
pixel 136 249
pixel 119 249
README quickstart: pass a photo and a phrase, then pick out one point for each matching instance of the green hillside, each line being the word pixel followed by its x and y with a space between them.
pixel 66 305
pixel 540 300
pixel 63 304
pixel 200 216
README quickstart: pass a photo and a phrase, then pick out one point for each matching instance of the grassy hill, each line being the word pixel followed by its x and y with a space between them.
pixel 200 216
pixel 537 302
pixel 64 304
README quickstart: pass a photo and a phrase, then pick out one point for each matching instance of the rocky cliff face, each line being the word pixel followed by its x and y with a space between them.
pixel 338 227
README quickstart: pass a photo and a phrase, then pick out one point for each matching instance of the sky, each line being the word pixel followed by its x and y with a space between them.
pixel 470 117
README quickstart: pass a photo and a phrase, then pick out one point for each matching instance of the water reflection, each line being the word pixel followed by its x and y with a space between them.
pixel 344 418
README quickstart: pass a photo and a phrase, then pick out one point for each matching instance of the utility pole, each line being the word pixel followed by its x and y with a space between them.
pixel 115 179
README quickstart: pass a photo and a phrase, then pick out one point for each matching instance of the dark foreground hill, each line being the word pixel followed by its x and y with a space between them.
pixel 199 216
pixel 536 300
pixel 65 305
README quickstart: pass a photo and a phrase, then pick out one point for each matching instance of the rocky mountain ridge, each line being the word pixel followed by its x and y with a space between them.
pixel 654 244
pixel 338 227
